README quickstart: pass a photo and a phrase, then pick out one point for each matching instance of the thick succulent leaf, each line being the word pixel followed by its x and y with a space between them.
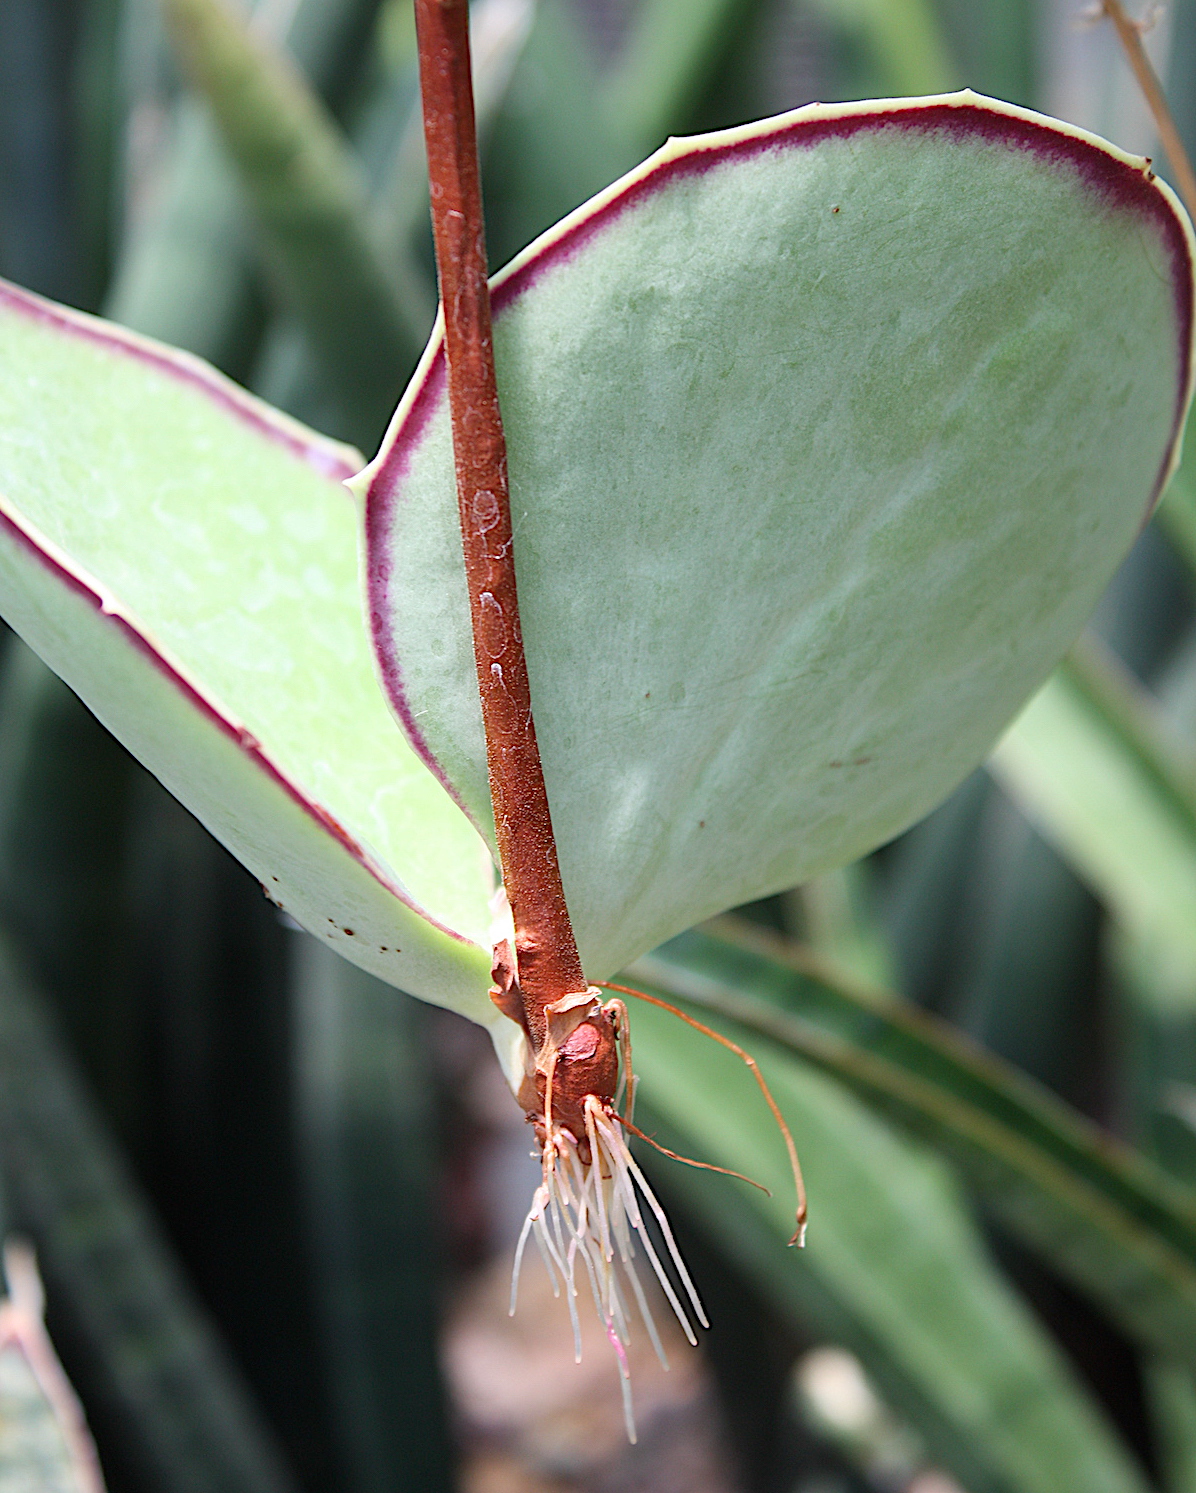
pixel 367 1153
pixel 825 434
pixel 1172 1398
pixel 893 1267
pixel 186 559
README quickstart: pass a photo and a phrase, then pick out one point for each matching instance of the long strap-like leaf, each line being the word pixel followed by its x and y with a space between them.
pixel 893 1268
pixel 1104 1217
pixel 181 1414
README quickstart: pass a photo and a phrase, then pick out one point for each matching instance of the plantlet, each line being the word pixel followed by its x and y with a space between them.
pixel 825 435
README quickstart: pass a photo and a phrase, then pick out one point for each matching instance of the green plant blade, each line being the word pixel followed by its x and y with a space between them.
pixel 904 40
pixel 892 1267
pixel 552 145
pixel 796 528
pixel 186 559
pixel 1173 1411
pixel 1177 515
pixel 367 1157
pixel 672 47
pixel 1090 764
pixel 310 199
pixel 388 139
pixel 1103 1215
pixel 157 1373
pixel 185 270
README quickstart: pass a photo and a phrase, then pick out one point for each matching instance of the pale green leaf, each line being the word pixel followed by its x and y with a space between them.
pixel 825 436
pixel 186 559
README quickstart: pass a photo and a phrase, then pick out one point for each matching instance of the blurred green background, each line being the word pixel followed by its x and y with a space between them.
pixel 255 1178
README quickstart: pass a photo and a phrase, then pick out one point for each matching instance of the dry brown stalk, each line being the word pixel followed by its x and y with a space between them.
pixel 1130 36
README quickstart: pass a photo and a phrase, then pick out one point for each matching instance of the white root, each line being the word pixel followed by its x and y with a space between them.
pixel 591 1212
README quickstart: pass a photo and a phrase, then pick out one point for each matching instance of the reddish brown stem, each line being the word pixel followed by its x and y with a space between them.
pixel 546 952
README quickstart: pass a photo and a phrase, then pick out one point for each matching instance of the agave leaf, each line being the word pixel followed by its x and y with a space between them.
pixel 148 1357
pixel 551 144
pixel 825 435
pixel 904 38
pixel 1104 1216
pixel 310 198
pixel 1090 764
pixel 666 59
pixel 367 1156
pixel 1172 1394
pixel 389 141
pixel 1177 514
pixel 893 1267
pixel 185 270
pixel 185 558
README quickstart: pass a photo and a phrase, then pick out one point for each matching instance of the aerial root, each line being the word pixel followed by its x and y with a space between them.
pixel 592 1213
pixel 799 1233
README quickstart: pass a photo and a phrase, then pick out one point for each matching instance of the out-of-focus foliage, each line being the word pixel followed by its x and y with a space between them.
pixel 223 1140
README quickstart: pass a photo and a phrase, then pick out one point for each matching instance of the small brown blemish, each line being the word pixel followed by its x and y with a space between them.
pixel 274 879
pixel 348 932
pixel 701 824
pixel 835 763
pixel 834 209
pixel 382 949
pixel 861 761
pixel 647 694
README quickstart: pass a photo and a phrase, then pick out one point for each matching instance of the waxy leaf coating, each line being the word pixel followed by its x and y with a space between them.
pixel 825 435
pixel 186 559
